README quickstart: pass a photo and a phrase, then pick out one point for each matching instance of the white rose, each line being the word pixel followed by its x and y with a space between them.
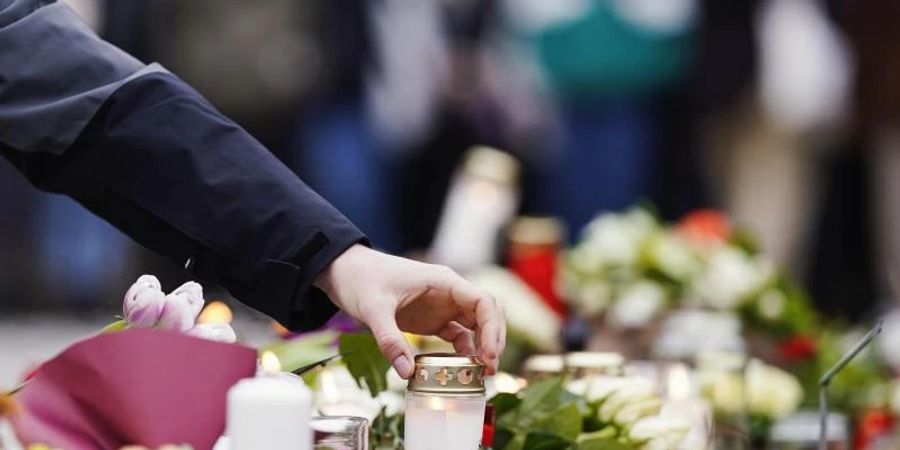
pixel 659 433
pixel 617 238
pixel 672 255
pixel 593 298
pixel 730 278
pixel 598 387
pixel 772 392
pixel 637 305
pixel 636 410
pixel 635 390
pixel 725 390
pixel 770 305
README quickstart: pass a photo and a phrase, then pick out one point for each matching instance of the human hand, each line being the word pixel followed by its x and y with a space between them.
pixel 390 294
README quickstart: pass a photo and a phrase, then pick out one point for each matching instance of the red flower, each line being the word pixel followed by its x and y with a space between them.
pixel 872 425
pixel 706 225
pixel 799 347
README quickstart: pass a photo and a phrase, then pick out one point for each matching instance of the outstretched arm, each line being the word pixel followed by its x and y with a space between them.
pixel 139 147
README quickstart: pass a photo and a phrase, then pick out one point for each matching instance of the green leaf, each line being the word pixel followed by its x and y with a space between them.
pixel 504 403
pixel 605 444
pixel 502 438
pixel 118 325
pixel 517 443
pixel 364 360
pixel 540 400
pixel 546 441
pixel 605 439
pixel 606 433
pixel 566 422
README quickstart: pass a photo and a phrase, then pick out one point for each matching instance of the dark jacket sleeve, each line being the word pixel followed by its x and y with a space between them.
pixel 159 162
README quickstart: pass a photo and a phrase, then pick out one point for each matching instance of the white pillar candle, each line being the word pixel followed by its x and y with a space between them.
pixel 270 411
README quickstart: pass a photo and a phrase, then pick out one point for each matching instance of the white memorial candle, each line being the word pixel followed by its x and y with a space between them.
pixel 445 404
pixel 270 411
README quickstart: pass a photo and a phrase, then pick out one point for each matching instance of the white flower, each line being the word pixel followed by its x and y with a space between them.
pixel 659 433
pixel 633 411
pixel 671 254
pixel 219 332
pixel 764 390
pixel 181 308
pixel 726 392
pixel 616 238
pixel 770 305
pixel 143 302
pixel 731 277
pixel 596 388
pixel 337 394
pixel 637 305
pixel 636 390
pixel 593 297
pixel 772 392
pixel 526 314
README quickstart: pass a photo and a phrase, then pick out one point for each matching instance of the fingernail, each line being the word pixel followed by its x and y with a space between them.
pixel 402 365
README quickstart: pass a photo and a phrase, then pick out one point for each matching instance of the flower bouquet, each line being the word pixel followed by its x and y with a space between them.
pixel 630 268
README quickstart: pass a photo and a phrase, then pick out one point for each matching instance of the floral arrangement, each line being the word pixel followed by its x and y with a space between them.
pixel 601 412
pixel 620 413
pixel 630 267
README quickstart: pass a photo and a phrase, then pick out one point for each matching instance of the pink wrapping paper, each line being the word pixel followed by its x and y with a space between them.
pixel 132 387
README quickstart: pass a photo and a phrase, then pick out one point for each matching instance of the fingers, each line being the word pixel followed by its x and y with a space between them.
pixel 391 342
pixel 462 338
pixel 485 316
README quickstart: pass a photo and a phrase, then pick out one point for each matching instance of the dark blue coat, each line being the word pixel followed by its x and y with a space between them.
pixel 137 146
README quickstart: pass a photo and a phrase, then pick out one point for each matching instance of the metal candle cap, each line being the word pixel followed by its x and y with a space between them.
pixel 446 373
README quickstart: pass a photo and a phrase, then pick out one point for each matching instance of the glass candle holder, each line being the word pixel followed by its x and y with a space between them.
pixel 340 433
pixel 445 403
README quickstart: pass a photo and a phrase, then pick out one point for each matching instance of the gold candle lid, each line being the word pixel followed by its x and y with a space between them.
pixel 447 373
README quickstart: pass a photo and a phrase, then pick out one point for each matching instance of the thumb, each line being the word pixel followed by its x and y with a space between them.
pixel 392 343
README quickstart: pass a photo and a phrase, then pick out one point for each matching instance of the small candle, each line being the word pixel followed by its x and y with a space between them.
pixel 445 403
pixel 269 411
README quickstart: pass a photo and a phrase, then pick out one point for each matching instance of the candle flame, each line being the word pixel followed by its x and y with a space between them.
pixel 215 312
pixel 679 382
pixel 437 403
pixel 270 364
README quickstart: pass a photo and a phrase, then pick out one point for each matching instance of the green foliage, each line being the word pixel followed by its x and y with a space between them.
pixel 545 416
pixel 365 361
pixel 386 431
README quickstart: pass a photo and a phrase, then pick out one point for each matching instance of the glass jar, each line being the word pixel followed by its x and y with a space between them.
pixel 445 402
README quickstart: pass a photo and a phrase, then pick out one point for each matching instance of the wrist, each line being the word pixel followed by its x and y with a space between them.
pixel 329 280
